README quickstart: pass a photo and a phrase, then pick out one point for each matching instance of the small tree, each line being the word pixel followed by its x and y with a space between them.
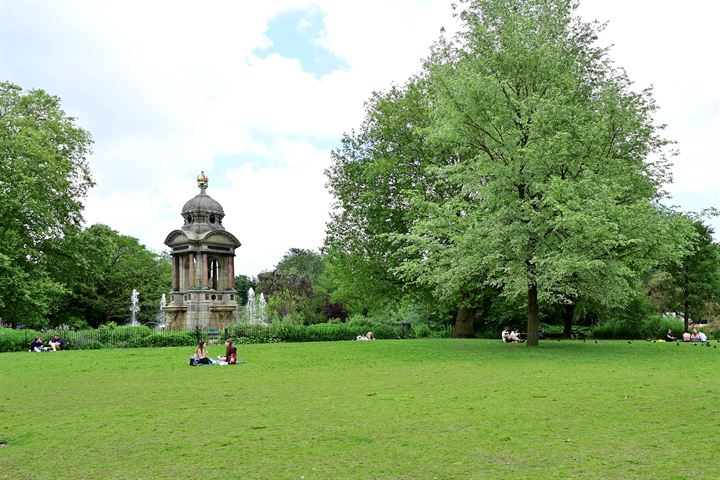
pixel 692 284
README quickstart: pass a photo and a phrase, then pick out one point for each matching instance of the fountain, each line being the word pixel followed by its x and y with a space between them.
pixel 134 308
pixel 161 318
pixel 251 306
pixel 263 303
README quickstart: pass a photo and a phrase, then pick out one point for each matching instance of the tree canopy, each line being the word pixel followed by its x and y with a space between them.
pixel 529 166
pixel 690 286
pixel 100 268
pixel 44 176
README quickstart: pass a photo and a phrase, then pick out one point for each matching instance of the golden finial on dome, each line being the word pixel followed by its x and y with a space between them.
pixel 202 180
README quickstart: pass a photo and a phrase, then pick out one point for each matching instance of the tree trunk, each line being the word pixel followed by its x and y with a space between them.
pixel 532 328
pixel 464 323
pixel 686 315
pixel 568 315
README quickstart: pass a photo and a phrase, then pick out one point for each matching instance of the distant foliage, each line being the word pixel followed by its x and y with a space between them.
pixel 651 327
pixel 321 332
pixel 92 339
pixel 12 340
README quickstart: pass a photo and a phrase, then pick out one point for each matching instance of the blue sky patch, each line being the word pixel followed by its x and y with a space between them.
pixel 294 35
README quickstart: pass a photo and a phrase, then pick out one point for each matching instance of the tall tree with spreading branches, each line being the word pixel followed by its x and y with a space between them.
pixel 563 165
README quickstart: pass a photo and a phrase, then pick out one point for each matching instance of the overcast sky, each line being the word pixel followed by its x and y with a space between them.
pixel 256 94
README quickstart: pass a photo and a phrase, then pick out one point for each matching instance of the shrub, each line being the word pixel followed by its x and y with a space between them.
pixel 85 343
pixel 12 340
pixel 656 326
pixel 112 336
pixel 421 331
pixel 652 326
pixel 617 330
pixel 318 332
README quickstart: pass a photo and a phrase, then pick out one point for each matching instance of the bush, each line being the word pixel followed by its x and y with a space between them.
pixel 318 332
pixel 112 336
pixel 656 326
pixel 12 340
pixel 617 330
pixel 84 343
pixel 577 331
pixel 652 326
pixel 421 331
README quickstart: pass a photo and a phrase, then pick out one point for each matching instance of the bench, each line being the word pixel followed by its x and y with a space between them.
pixel 213 334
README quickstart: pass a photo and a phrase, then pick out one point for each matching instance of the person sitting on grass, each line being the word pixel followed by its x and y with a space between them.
pixel 686 337
pixel 669 336
pixel 505 335
pixel 230 353
pixel 37 345
pixel 702 337
pixel 201 354
pixel 56 343
pixel 515 336
pixel 370 336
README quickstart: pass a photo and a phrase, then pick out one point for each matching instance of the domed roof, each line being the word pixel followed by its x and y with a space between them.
pixel 202 202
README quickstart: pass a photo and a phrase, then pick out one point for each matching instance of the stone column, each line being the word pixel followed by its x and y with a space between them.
pixel 229 269
pixel 204 271
pixel 175 277
pixel 191 271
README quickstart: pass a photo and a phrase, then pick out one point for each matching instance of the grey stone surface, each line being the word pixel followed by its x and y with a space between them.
pixel 203 255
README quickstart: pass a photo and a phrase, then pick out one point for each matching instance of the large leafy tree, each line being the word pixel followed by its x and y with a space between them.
pixel 562 162
pixel 100 268
pixel 44 176
pixel 242 285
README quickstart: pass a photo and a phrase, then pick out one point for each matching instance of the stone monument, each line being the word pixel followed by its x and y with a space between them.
pixel 203 254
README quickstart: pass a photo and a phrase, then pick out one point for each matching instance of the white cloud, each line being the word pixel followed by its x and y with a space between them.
pixel 670 46
pixel 273 209
pixel 168 88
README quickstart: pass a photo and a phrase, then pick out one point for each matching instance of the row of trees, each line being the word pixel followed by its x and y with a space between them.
pixel 519 165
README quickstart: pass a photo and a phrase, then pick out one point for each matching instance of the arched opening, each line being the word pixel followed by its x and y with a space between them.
pixel 213 271
pixel 194 272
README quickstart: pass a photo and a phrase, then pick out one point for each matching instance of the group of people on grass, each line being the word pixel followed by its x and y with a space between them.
pixel 694 336
pixel 53 345
pixel 201 358
pixel 509 336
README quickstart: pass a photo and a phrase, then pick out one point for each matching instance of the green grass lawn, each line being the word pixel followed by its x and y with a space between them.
pixel 406 409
